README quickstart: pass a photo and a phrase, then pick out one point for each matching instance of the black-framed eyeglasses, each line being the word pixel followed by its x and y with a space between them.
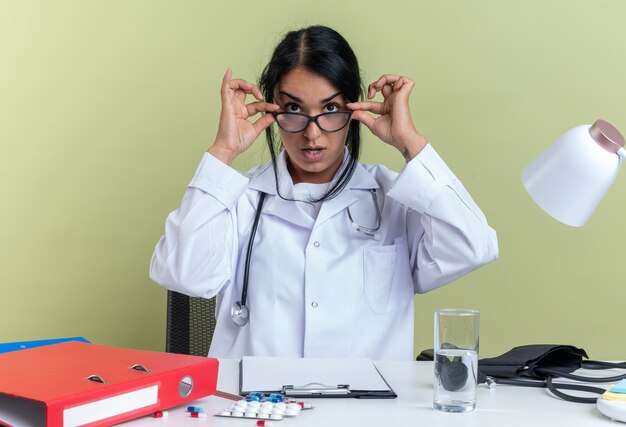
pixel 297 122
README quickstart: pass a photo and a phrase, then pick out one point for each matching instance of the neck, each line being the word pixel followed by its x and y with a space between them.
pixel 299 175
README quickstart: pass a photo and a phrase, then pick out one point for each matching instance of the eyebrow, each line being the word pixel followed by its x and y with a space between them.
pixel 322 101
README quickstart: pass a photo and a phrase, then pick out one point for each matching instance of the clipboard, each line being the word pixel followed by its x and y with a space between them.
pixel 313 377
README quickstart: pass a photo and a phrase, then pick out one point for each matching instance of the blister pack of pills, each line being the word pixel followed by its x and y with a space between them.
pixel 257 406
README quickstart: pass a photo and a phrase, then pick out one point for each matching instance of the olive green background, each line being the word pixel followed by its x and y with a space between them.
pixel 107 106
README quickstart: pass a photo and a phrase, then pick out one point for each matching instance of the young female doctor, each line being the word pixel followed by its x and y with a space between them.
pixel 315 254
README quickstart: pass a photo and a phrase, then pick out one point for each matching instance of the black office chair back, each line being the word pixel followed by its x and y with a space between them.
pixel 190 324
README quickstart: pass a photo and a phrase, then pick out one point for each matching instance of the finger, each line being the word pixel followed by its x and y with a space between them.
pixel 225 88
pixel 260 107
pixel 371 91
pixel 246 87
pixel 395 81
pixel 263 123
pixel 377 87
pixel 408 85
pixel 382 81
pixel 404 82
pixel 405 89
pixel 365 118
pixel 371 106
pixel 387 91
pixel 227 76
pixel 387 79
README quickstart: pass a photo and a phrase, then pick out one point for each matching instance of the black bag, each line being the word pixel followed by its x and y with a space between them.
pixel 534 365
pixel 537 365
pixel 531 361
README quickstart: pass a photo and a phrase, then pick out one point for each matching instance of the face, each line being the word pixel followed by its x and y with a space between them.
pixel 313 155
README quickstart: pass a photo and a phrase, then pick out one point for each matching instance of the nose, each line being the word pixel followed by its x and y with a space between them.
pixel 312 131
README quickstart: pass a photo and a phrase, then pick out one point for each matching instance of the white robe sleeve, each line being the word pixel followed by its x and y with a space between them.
pixel 448 233
pixel 197 254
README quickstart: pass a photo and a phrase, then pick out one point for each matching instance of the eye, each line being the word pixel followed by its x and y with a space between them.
pixel 332 108
pixel 292 108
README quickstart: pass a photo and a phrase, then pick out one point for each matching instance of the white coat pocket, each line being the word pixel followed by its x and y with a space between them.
pixel 387 278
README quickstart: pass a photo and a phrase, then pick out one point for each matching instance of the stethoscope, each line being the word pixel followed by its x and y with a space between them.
pixel 366 231
pixel 239 312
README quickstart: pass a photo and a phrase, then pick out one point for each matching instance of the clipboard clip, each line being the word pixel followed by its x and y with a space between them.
pixel 316 389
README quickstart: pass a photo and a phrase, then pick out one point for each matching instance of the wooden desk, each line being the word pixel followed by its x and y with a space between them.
pixel 508 406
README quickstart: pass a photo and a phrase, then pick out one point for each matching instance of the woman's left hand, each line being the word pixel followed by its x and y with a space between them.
pixel 394 124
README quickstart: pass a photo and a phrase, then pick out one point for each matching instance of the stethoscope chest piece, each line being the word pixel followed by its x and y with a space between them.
pixel 239 313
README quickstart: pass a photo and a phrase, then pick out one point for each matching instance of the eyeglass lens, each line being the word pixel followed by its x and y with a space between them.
pixel 328 122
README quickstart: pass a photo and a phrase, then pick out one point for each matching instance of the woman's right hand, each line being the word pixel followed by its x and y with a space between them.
pixel 236 132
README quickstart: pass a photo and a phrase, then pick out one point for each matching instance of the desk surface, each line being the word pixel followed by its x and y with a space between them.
pixel 413 382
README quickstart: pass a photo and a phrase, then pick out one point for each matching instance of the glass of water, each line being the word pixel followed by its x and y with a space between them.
pixel 456 359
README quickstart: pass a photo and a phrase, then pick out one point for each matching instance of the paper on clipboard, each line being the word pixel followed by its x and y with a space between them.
pixel 273 374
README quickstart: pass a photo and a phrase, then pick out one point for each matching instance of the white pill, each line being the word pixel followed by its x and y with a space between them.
pixel 254 405
pixel 281 405
pixel 250 415
pixel 265 410
pixel 225 413
pixel 294 406
pixel 237 414
pixel 198 415
pixel 291 412
pixel 276 417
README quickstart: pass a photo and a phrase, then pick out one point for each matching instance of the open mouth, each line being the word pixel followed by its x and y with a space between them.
pixel 313 154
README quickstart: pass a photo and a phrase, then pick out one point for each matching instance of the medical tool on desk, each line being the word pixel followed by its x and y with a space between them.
pixel 259 406
pixel 239 312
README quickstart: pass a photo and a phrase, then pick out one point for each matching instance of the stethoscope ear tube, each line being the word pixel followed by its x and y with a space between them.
pixel 239 311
